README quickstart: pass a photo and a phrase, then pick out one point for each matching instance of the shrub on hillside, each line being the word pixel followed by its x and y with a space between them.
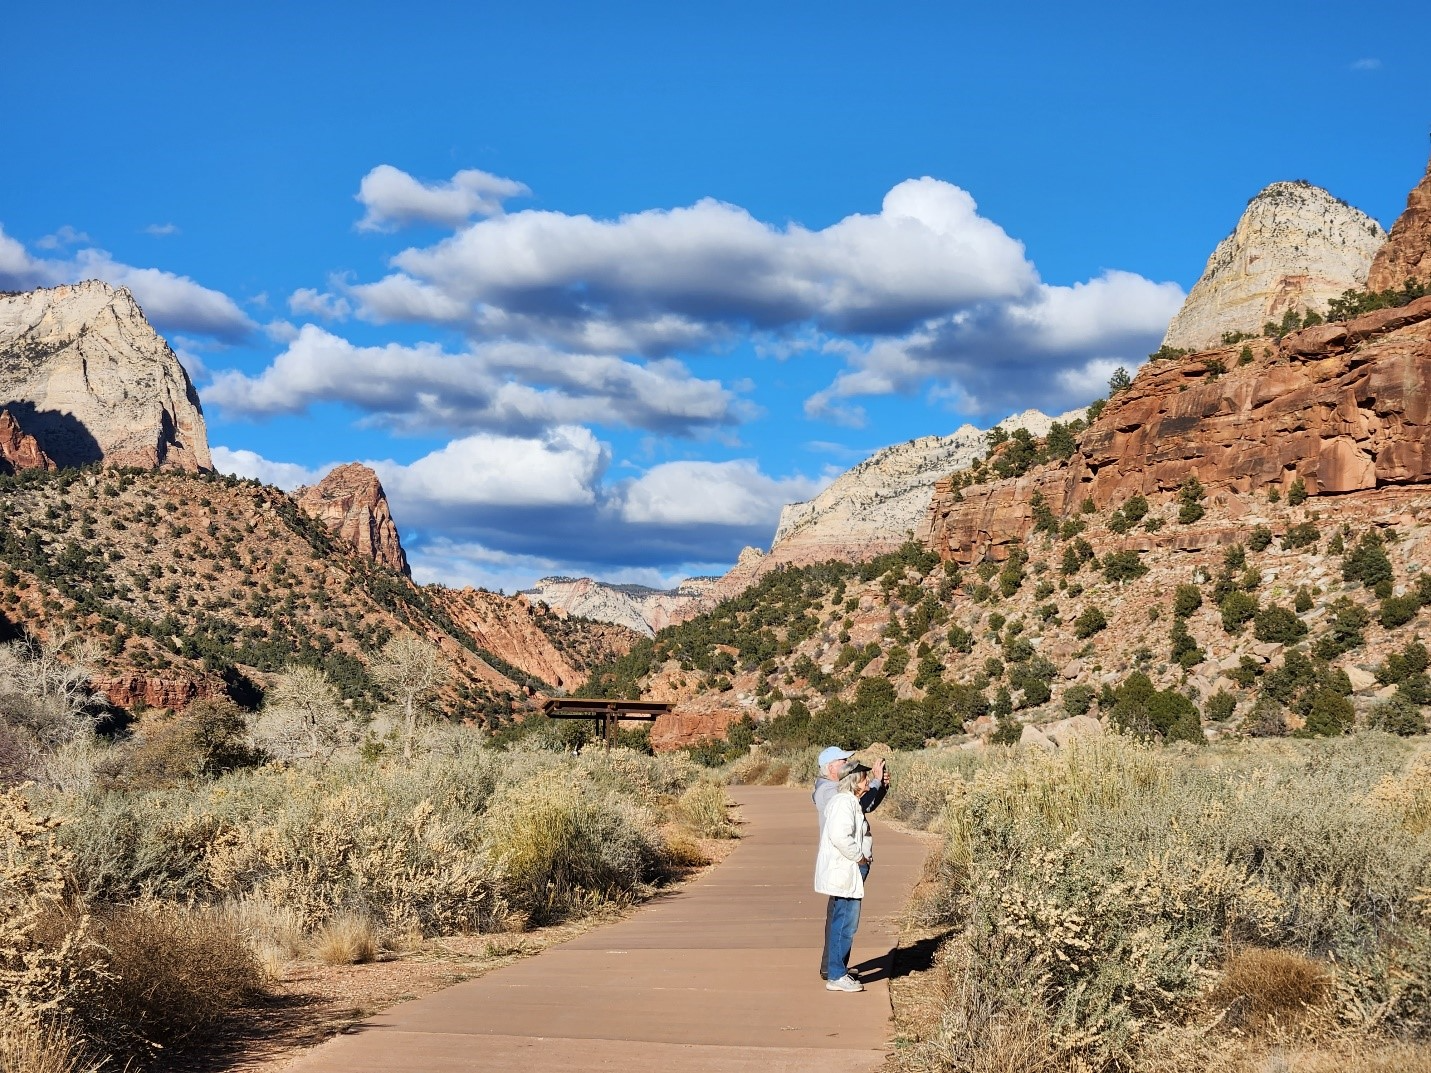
pixel 1186 600
pixel 1123 565
pixel 1278 624
pixel 1237 609
pixel 1089 622
pixel 1399 610
pixel 1142 710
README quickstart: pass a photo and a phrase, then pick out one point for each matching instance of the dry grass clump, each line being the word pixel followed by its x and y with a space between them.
pixel 683 849
pixel 350 939
pixel 49 1048
pixel 706 807
pixel 1262 990
pixel 171 973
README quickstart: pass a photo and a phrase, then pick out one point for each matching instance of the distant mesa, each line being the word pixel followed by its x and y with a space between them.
pixel 351 503
pixel 1295 248
pixel 1407 253
pixel 84 373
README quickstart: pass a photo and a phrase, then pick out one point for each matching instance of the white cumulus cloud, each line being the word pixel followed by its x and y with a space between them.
pixel 732 493
pixel 507 388
pixel 708 268
pixel 250 464
pixel 393 198
pixel 321 304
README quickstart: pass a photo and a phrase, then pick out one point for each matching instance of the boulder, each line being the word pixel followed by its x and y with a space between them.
pixel 1077 726
pixel 1361 681
pixel 1034 738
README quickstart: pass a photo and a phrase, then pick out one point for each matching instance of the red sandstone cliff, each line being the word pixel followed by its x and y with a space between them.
pixel 1407 253
pixel 350 501
pixel 18 449
pixel 1344 406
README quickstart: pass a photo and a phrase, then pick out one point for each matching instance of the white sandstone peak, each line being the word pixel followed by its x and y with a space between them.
pixel 1295 248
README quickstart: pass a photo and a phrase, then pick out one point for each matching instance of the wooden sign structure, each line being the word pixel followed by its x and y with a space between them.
pixel 605 713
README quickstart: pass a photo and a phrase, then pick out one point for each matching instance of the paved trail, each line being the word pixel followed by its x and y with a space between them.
pixel 719 977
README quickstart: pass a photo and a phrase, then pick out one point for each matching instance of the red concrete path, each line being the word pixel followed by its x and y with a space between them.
pixel 721 975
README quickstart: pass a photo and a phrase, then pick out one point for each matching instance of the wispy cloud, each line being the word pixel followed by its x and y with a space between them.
pixel 1367 63
pixel 65 236
pixel 162 230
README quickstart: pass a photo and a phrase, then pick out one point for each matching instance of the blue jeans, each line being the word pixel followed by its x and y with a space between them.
pixel 842 919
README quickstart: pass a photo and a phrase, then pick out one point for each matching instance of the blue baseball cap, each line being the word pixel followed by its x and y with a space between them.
pixel 834 752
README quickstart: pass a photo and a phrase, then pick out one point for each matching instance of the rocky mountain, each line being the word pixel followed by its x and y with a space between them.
pixel 350 501
pixel 635 607
pixel 544 642
pixel 82 371
pixel 1407 252
pixel 881 502
pixel 1295 248
pixel 192 585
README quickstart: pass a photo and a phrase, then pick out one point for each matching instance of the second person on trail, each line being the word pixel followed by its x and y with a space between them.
pixel 846 848
pixel 826 786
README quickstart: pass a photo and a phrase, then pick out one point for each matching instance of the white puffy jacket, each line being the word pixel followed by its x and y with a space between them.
pixel 843 842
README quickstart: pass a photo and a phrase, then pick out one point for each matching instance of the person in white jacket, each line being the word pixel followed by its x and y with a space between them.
pixel 845 846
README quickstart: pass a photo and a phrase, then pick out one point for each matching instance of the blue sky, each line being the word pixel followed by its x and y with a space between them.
pixel 598 288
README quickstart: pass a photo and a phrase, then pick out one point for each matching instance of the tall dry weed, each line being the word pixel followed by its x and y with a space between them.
pixel 46 963
pixel 47 1048
pixel 706 808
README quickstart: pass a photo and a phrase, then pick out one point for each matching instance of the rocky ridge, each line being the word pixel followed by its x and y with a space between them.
pixel 83 372
pixel 351 503
pixel 1343 407
pixel 519 632
pixel 1294 248
pixel 1407 252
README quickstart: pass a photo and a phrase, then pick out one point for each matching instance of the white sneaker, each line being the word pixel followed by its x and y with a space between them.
pixel 844 983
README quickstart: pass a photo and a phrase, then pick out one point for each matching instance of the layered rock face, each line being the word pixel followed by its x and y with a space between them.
pixel 1407 253
pixel 1295 247
pixel 83 372
pixel 505 626
pixel 1343 406
pixel 636 607
pixel 350 501
pixel 873 508
pixel 18 449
